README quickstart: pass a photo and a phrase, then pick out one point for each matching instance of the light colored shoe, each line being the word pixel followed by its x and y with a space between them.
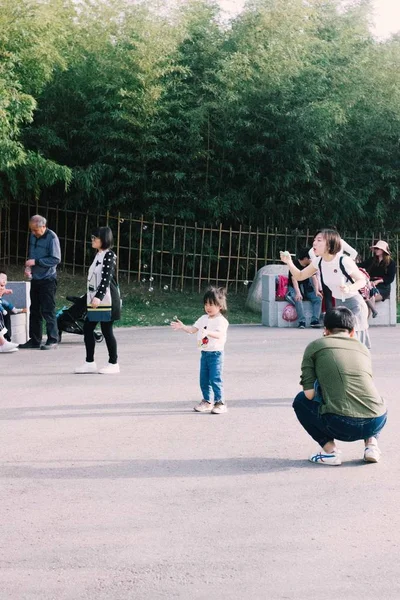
pixel 86 368
pixel 325 458
pixel 204 406
pixel 372 454
pixel 109 369
pixel 219 408
pixel 8 347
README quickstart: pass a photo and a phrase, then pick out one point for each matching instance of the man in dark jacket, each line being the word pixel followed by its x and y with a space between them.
pixel 43 257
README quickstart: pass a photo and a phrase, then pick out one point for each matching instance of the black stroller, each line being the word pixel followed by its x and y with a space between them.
pixel 71 318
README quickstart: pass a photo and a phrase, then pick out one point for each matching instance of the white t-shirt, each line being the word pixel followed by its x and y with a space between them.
pixel 206 323
pixel 332 274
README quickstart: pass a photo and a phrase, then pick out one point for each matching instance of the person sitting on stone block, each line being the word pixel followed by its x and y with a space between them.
pixel 304 290
pixel 6 307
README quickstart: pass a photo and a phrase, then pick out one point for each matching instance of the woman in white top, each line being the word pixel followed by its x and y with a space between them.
pixel 339 273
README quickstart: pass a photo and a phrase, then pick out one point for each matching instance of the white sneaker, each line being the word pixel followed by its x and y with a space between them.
pixel 372 454
pixel 219 408
pixel 8 347
pixel 86 368
pixel 109 369
pixel 325 458
pixel 204 406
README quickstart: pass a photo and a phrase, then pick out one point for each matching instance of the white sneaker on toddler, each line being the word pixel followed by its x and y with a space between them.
pixel 87 367
pixel 109 369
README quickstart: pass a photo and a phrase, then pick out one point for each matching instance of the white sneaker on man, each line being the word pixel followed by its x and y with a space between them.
pixel 8 347
pixel 87 367
pixel 109 369
pixel 372 454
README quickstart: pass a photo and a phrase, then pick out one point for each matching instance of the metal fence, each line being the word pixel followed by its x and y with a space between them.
pixel 177 255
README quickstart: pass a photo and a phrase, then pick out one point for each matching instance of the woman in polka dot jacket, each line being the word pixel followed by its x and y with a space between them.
pixel 102 285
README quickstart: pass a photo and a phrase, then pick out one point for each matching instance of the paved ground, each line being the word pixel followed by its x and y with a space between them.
pixel 111 488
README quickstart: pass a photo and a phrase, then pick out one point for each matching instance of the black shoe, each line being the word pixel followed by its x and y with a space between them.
pixel 301 325
pixel 315 323
pixel 29 345
pixel 49 346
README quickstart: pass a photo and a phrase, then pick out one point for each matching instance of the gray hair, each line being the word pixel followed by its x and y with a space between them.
pixel 38 220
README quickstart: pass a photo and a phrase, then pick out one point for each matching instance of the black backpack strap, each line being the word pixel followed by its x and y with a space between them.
pixel 320 272
pixel 345 273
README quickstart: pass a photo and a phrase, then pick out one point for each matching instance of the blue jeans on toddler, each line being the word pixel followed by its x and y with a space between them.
pixel 328 427
pixel 211 364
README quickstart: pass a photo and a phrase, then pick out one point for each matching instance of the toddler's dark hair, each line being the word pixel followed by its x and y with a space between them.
pixel 303 253
pixel 3 272
pixel 339 319
pixel 216 296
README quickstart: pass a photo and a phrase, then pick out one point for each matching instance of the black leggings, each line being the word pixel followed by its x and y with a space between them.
pixel 90 343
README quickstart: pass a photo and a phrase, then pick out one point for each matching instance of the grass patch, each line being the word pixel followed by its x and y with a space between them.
pixel 143 308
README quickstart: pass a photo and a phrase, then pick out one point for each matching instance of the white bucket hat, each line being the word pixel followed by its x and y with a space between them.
pixel 382 246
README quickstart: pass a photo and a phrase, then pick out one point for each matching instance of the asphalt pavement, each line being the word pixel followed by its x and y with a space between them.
pixel 113 488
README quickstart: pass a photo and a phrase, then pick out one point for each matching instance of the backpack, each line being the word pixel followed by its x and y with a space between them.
pixel 282 287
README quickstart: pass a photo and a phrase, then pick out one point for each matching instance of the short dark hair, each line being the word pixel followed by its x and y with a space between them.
pixel 333 240
pixel 105 236
pixel 3 272
pixel 339 319
pixel 303 253
pixel 216 296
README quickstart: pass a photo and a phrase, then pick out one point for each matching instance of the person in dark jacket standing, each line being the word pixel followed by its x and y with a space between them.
pixel 43 257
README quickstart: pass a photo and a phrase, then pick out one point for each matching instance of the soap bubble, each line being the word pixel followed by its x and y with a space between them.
pixel 163 314
pixel 151 289
pixel 175 318
pixel 147 303
pixel 165 287
pixel 151 278
pixel 166 321
pixel 144 227
pixel 245 282
pixel 121 220
pixel 144 280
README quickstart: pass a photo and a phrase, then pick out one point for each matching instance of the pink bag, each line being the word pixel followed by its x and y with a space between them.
pixel 282 287
pixel 289 313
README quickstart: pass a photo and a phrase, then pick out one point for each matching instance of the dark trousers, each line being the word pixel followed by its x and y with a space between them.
pixel 328 427
pixel 90 343
pixel 7 324
pixel 43 306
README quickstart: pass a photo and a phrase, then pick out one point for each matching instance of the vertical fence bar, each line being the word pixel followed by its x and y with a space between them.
pixel 256 252
pixel 65 239
pixel 85 233
pixel 248 253
pixel 9 238
pixel 17 232
pixel 219 252
pixel 118 242
pixel 228 272
pixel 140 249
pixel 210 256
pixel 129 247
pixel 238 256
pixel 183 257
pixel 201 255
pixel 162 252
pixel 171 287
pixel 153 235
pixel 194 254
pixel 74 246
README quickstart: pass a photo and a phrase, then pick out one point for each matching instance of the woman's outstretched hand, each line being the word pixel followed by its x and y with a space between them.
pixel 286 257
